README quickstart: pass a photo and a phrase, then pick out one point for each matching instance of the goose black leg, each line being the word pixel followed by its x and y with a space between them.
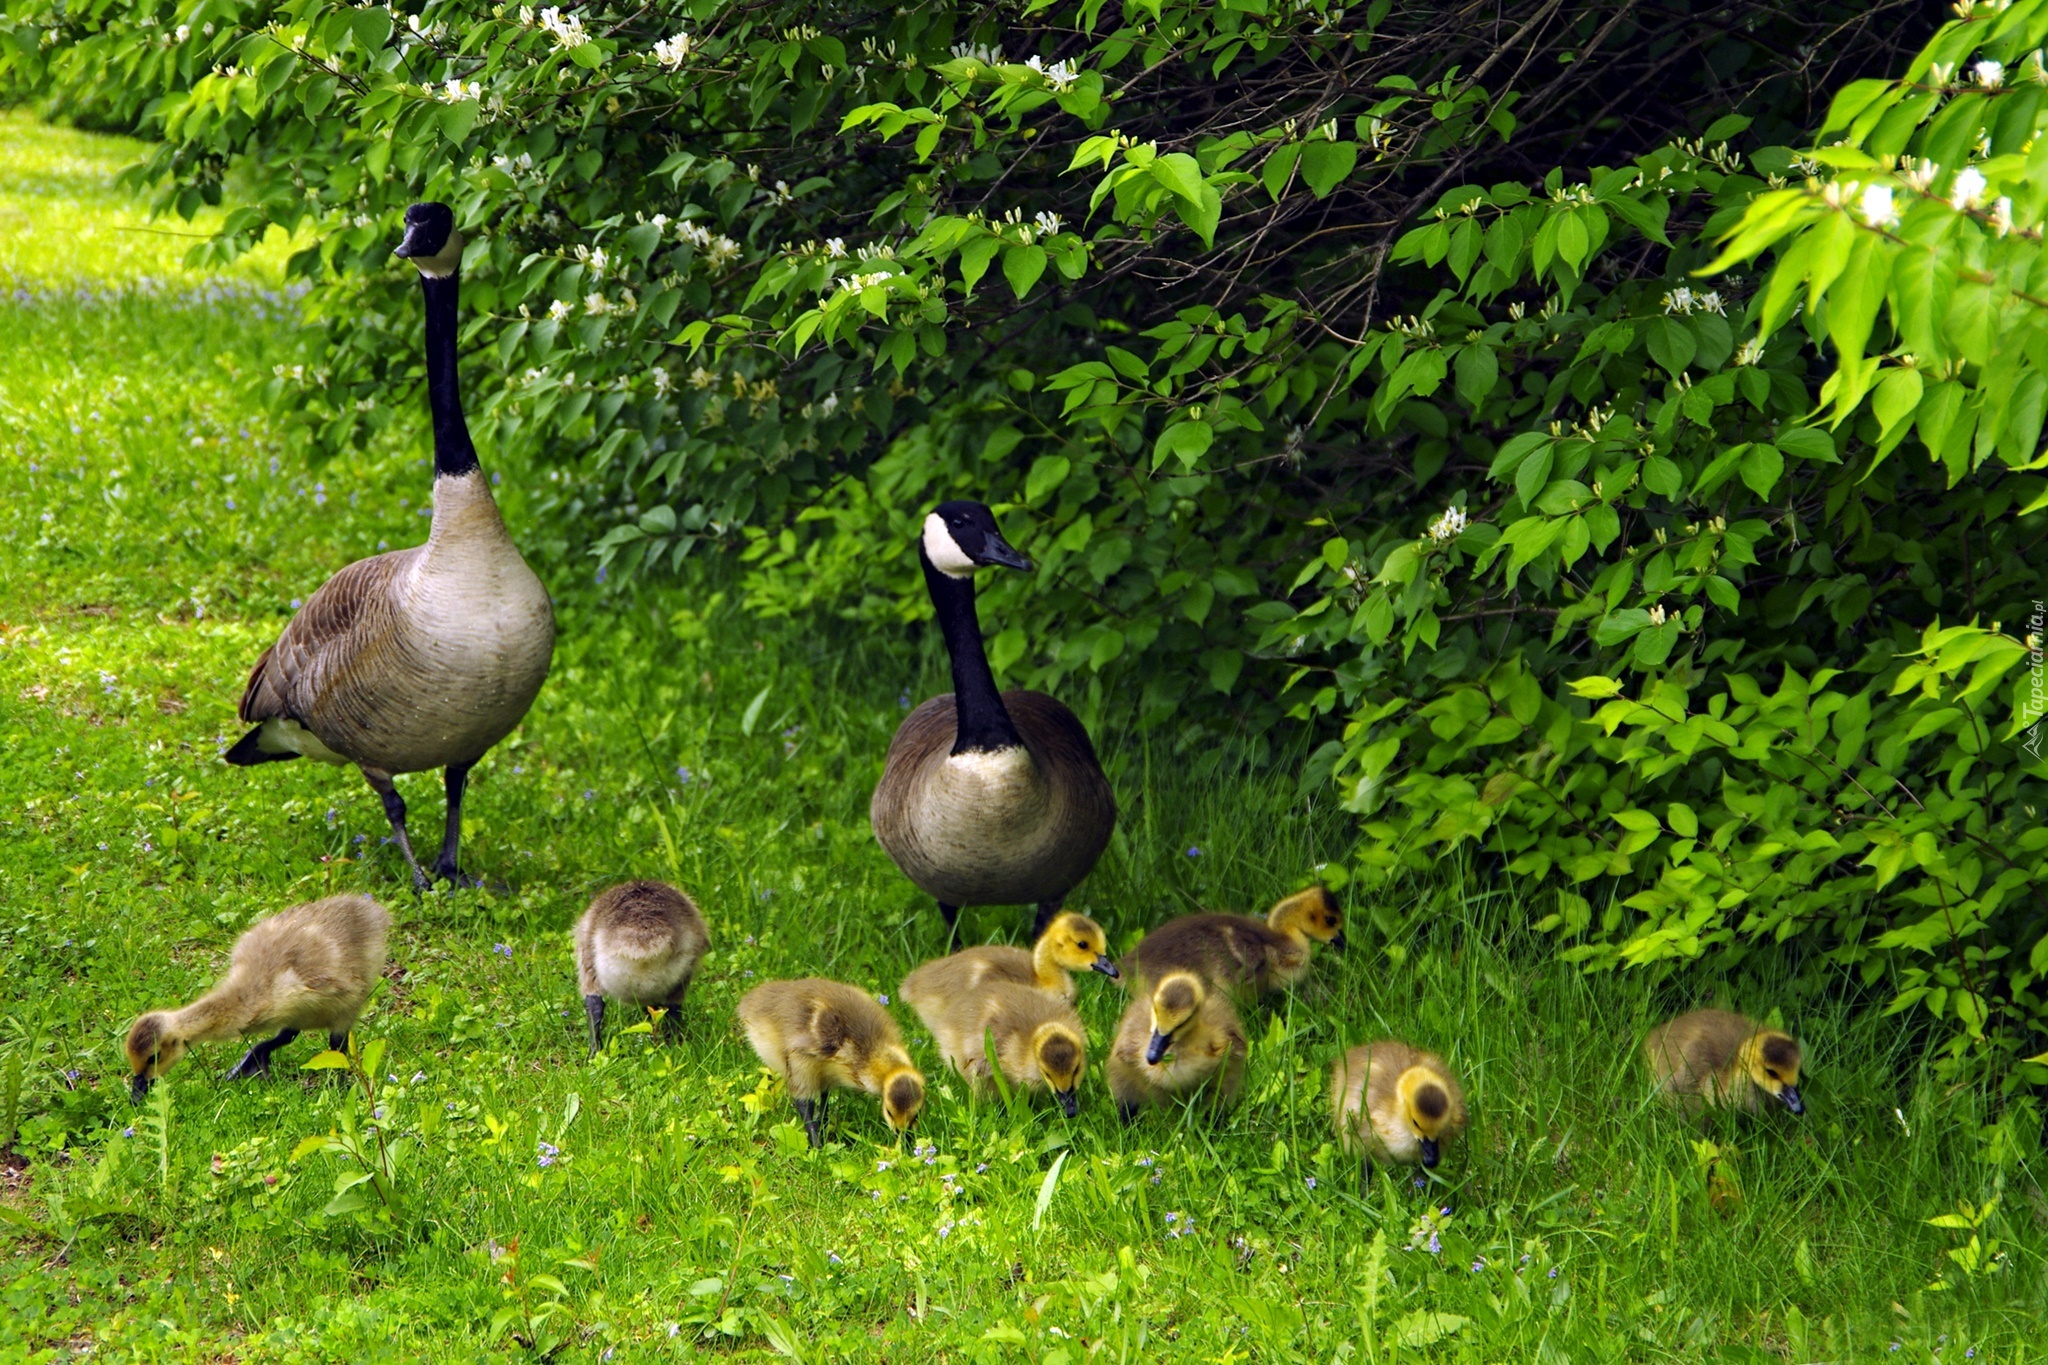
pixel 812 1113
pixel 1127 1112
pixel 444 866
pixel 1046 911
pixel 394 811
pixel 338 1042
pixel 1365 1177
pixel 672 1021
pixel 593 1005
pixel 952 914
pixel 256 1061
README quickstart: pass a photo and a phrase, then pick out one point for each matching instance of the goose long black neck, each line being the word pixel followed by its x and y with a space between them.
pixel 453 452
pixel 983 723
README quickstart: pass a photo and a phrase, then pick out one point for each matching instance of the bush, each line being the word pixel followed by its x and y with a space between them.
pixel 1349 367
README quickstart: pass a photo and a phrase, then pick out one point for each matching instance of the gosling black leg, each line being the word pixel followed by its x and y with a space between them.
pixel 811 1113
pixel 338 1042
pixel 593 1005
pixel 672 1021
pixel 445 867
pixel 394 811
pixel 952 914
pixel 1365 1177
pixel 256 1061
pixel 1127 1112
pixel 1046 911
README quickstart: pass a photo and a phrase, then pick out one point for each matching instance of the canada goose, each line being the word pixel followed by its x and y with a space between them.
pixel 1174 1041
pixel 819 1034
pixel 421 658
pixel 987 799
pixel 1070 943
pixel 638 942
pixel 1394 1102
pixel 1039 1040
pixel 1712 1058
pixel 307 967
pixel 1237 953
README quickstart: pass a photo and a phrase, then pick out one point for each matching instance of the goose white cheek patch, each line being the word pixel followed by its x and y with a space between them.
pixel 943 551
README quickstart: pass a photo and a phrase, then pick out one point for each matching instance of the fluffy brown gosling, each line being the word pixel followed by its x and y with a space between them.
pixel 639 942
pixel 1181 1038
pixel 1396 1103
pixel 1715 1059
pixel 1039 1041
pixel 821 1035
pixel 1237 953
pixel 1071 943
pixel 307 967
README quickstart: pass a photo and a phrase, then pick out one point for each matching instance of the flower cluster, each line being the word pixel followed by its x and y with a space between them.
pixel 1061 75
pixel 1449 526
pixel 716 247
pixel 567 28
pixel 853 284
pixel 1683 300
pixel 978 52
pixel 456 91
pixel 673 52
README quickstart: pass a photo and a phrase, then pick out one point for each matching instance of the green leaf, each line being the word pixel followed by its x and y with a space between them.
pixel 1671 344
pixel 1477 368
pixel 1617 626
pixel 1048 472
pixel 1808 444
pixel 975 256
pixel 1022 265
pixel 1325 165
pixel 371 26
pixel 1761 466
pixel 752 716
pixel 458 118
pixel 1279 166
pixel 329 1060
pixel 1190 440
pixel 1180 173
pixel 1046 1189
pixel 1202 214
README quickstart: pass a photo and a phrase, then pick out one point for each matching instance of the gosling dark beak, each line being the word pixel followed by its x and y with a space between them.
pixel 1340 943
pixel 1790 1094
pixel 138 1089
pixel 1430 1154
pixel 414 243
pixel 1069 1102
pixel 1156 1049
pixel 1106 967
pixel 996 550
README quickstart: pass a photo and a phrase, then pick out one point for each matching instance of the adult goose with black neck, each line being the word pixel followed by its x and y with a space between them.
pixel 421 658
pixel 987 798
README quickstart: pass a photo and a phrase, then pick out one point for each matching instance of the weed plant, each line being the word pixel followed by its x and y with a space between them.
pixel 475 1187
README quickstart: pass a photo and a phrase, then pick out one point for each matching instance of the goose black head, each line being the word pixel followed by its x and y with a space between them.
pixel 431 242
pixel 961 536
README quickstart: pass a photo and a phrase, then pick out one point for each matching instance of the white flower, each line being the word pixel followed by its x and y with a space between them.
pixel 835 247
pixel 184 32
pixel 694 233
pixel 829 405
pixel 594 304
pixel 559 309
pixel 1941 73
pixel 701 378
pixel 722 249
pixel 2001 216
pixel 1750 352
pixel 1657 614
pixel 662 383
pixel 781 195
pixel 1917 175
pixel 1989 74
pixel 979 52
pixel 1061 76
pixel 457 91
pixel 1876 206
pixel 1047 223
pixel 1448 527
pixel 567 28
pixel 526 15
pixel 1678 300
pixel 1966 191
pixel 853 284
pixel 673 52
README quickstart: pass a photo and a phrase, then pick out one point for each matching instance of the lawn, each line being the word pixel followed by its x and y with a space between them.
pixel 659 1200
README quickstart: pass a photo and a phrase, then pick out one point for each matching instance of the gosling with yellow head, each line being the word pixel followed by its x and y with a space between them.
pixel 821 1035
pixel 1071 943
pixel 1180 1039
pixel 1039 1041
pixel 1718 1059
pixel 1394 1102
pixel 1247 957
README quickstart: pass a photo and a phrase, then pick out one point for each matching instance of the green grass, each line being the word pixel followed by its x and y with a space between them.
pixel 154 547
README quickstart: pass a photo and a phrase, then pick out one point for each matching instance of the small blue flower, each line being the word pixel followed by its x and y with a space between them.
pixel 1194 852
pixel 1478 1265
pixel 601 573
pixel 1310 1182
pixel 589 795
pixel 1435 1246
pixel 502 950
pixel 1553 1272
pixel 128 1131
pixel 883 998
pixel 547 1153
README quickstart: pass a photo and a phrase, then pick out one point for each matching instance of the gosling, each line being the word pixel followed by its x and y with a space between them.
pixel 1039 1041
pixel 1069 944
pixel 1396 1103
pixel 1239 954
pixel 307 967
pixel 1181 1039
pixel 639 942
pixel 1715 1059
pixel 819 1035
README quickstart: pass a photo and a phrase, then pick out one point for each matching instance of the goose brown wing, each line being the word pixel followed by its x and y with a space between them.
pixel 346 615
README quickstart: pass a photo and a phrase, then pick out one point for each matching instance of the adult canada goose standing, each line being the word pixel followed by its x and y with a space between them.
pixel 421 658
pixel 987 798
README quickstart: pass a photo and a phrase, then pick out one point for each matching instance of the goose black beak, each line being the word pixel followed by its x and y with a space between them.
pixel 1790 1094
pixel 1340 943
pixel 1431 1153
pixel 1106 967
pixel 996 550
pixel 1069 1102
pixel 1156 1049
pixel 138 1089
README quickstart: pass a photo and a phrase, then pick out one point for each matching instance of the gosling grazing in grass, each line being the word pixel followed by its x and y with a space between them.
pixel 638 942
pixel 421 658
pixel 1237 953
pixel 307 967
pixel 987 798
pixel 821 1035
pixel 1069 944
pixel 1715 1059
pixel 1175 1041
pixel 1396 1103
pixel 1039 1040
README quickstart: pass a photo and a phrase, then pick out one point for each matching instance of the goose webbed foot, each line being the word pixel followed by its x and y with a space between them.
pixel 256 1061
pixel 394 811
pixel 448 872
pixel 813 1115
